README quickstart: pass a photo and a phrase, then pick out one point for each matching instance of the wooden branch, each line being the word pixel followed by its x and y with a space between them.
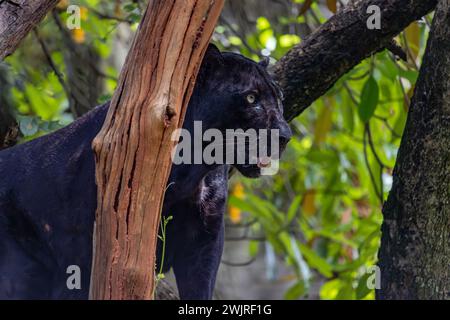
pixel 414 256
pixel 311 68
pixel 133 148
pixel 17 18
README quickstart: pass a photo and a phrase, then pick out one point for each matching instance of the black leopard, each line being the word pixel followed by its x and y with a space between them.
pixel 48 190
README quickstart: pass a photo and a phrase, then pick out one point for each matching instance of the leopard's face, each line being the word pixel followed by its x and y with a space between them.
pixel 243 96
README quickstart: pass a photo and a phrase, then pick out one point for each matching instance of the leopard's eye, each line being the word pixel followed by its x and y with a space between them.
pixel 251 98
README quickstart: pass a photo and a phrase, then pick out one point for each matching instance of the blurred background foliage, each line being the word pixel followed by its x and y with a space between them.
pixel 315 227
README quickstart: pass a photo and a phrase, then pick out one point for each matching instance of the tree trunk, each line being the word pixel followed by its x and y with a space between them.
pixel 133 148
pixel 415 248
pixel 17 18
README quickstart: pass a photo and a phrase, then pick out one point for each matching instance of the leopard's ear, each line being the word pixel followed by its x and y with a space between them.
pixel 264 62
pixel 213 55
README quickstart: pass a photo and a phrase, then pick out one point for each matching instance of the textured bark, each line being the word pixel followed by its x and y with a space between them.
pixel 308 70
pixel 415 249
pixel 133 148
pixel 17 18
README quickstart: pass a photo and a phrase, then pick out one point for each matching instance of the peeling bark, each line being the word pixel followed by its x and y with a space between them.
pixel 133 148
pixel 17 18
pixel 415 247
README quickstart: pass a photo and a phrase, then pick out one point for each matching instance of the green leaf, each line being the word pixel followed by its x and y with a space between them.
pixel 315 261
pixel 346 292
pixel 130 7
pixel 253 248
pixel 362 289
pixel 28 125
pixel 348 113
pixel 262 23
pixel 369 100
pixel 339 238
pixel 104 98
pixel 293 208
pixel 330 289
pixel 134 17
pixel 296 291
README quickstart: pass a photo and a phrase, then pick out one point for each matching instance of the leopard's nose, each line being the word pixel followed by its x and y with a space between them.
pixel 285 135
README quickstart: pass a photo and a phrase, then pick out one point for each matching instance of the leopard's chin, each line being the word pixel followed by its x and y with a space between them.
pixel 249 170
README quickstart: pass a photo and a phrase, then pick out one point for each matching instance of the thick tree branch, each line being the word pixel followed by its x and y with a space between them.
pixel 311 68
pixel 415 245
pixel 18 19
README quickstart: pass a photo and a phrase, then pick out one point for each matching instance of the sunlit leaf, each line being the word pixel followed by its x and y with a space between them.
pixel 288 40
pixel 253 248
pixel 323 122
pixel 78 35
pixel 309 202
pixel 235 214
pixel 330 289
pixel 262 24
pixel 412 35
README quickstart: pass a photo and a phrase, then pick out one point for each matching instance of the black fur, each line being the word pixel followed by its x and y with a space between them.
pixel 48 191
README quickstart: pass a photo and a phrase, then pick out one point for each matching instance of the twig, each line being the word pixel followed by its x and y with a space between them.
pixel 52 65
pixel 386 123
pixel 239 35
pixel 366 160
pixel 109 17
pixel 372 147
pixel 397 50
pixel 245 238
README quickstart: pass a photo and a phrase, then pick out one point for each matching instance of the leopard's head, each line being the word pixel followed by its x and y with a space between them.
pixel 235 92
